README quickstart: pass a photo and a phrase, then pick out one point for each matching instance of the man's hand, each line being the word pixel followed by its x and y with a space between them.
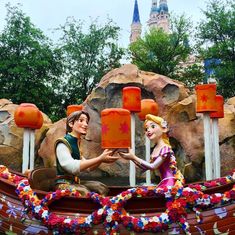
pixel 109 156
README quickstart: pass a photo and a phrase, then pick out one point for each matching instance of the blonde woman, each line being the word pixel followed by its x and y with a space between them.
pixel 162 156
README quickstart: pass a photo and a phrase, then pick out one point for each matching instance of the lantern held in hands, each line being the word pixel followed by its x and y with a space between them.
pixel 116 128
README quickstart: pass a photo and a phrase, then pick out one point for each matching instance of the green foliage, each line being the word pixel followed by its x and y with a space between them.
pixel 161 52
pixel 192 75
pixel 29 67
pixel 33 70
pixel 216 39
pixel 87 57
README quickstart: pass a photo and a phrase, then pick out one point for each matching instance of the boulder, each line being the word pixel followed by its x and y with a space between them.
pixel 11 137
pixel 176 105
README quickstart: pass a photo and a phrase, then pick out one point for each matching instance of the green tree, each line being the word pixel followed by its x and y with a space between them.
pixel 87 56
pixel 192 75
pixel 216 40
pixel 29 66
pixel 162 52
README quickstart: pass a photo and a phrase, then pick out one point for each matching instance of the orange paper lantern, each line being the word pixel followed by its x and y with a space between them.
pixel 219 107
pixel 116 128
pixel 73 108
pixel 39 122
pixel 131 97
pixel 148 106
pixel 206 98
pixel 27 115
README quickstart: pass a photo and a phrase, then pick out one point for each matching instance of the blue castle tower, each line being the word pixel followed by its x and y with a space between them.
pixel 136 27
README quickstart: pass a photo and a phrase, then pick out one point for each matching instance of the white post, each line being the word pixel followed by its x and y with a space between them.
pixel 25 163
pixel 32 144
pixel 147 158
pixel 132 179
pixel 215 148
pixel 207 144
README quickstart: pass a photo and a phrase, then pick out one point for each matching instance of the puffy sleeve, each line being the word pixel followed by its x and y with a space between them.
pixel 156 160
pixel 166 152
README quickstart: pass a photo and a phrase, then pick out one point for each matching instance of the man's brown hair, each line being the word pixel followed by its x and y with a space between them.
pixel 74 117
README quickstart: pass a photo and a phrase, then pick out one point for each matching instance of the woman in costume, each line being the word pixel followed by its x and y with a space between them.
pixel 162 157
pixel 69 162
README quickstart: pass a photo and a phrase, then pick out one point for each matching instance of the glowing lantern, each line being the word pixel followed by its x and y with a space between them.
pixel 116 128
pixel 72 108
pixel 39 122
pixel 206 98
pixel 219 107
pixel 27 115
pixel 148 106
pixel 131 97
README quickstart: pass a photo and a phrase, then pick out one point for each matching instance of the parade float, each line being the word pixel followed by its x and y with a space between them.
pixel 202 208
pixel 29 204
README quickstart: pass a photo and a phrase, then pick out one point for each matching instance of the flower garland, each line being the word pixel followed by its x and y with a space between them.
pixel 179 201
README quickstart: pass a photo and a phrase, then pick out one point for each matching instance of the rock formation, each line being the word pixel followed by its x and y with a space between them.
pixel 176 105
pixel 11 137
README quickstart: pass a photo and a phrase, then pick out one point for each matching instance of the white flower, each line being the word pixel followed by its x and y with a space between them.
pixel 168 193
pixel 164 217
pixel 3 199
pixel 27 188
pixel 199 201
pixel 37 208
pixel 45 214
pixel 108 219
pixel 164 124
pixel 156 219
pixel 233 176
pixel 110 211
pixel 100 211
pixel 187 189
pixel 207 201
pixel 88 219
pixel 144 221
pixel 67 221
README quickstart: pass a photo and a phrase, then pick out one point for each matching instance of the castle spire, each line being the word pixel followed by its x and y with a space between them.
pixel 153 16
pixel 159 16
pixel 136 26
pixel 136 15
pixel 163 21
pixel 154 8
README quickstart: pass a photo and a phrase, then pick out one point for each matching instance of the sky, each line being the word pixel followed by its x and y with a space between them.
pixel 49 14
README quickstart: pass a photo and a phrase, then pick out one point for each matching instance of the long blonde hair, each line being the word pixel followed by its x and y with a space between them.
pixel 161 122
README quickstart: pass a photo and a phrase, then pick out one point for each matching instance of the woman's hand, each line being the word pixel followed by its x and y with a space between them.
pixel 108 156
pixel 128 156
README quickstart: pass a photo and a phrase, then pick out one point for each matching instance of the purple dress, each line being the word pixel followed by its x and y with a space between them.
pixel 167 169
